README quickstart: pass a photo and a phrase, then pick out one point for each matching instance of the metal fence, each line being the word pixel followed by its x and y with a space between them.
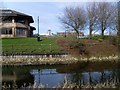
pixel 31 49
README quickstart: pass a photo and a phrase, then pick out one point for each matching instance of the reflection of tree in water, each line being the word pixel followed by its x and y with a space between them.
pixel 78 74
pixel 76 78
pixel 116 75
pixel 104 77
pixel 119 76
pixel 112 76
pixel 80 79
pixel 90 78
pixel 95 73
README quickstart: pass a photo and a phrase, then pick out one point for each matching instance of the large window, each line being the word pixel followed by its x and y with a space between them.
pixel 6 31
pixel 20 31
pixel 20 21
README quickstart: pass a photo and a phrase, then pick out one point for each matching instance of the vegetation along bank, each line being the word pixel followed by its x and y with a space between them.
pixel 61 50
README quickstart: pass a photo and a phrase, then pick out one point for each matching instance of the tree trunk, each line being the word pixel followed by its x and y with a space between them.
pixel 78 34
pixel 102 31
pixel 90 33
pixel 102 34
pixel 91 29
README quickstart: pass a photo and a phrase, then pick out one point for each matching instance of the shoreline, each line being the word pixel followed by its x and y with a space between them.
pixel 63 59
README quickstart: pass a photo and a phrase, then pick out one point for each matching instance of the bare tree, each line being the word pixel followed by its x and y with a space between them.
pixel 119 29
pixel 104 13
pixel 113 20
pixel 92 17
pixel 118 19
pixel 74 18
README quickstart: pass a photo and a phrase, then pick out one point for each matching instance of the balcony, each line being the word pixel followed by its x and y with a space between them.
pixel 11 25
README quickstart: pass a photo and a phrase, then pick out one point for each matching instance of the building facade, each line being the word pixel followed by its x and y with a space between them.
pixel 65 34
pixel 15 24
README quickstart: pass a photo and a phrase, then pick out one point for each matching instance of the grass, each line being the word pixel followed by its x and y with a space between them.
pixel 56 45
pixel 31 45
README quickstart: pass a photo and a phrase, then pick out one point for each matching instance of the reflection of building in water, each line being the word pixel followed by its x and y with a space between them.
pixel 17 77
pixel 81 74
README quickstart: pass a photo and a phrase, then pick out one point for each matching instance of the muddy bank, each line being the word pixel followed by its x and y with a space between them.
pixel 64 59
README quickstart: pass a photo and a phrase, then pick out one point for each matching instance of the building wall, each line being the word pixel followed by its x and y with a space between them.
pixel 69 34
pixel 13 25
pixel 6 36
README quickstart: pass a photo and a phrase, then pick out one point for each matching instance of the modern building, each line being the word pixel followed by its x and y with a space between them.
pixel 15 24
pixel 72 33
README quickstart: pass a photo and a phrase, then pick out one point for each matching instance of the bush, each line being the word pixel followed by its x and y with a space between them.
pixel 77 45
pixel 81 47
pixel 114 40
pixel 100 40
pixel 96 37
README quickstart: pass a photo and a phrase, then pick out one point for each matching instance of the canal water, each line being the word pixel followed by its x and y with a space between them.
pixel 54 75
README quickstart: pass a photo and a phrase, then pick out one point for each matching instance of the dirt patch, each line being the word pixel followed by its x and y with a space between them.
pixel 92 47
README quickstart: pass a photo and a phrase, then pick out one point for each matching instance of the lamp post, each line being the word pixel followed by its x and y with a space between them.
pixel 66 31
pixel 38 25
pixel 38 37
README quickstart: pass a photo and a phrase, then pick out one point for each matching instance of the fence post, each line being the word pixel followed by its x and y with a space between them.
pixel 12 49
pixel 50 47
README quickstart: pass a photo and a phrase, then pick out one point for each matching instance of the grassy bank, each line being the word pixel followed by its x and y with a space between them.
pixel 29 45
pixel 76 47
pixel 88 48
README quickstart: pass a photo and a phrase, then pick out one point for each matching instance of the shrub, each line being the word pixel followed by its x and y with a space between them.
pixel 114 40
pixel 81 47
pixel 77 45
pixel 100 40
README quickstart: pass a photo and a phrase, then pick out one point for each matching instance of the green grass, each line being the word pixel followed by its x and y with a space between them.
pixel 31 45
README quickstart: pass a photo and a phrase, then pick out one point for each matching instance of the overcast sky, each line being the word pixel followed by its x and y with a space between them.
pixel 48 12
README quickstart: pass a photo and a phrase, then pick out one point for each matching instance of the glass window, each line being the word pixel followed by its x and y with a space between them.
pixel 6 31
pixel 20 31
pixel 21 21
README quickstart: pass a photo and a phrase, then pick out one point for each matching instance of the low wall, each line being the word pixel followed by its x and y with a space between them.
pixel 60 59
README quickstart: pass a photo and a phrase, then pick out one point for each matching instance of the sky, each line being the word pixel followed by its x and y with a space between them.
pixel 47 11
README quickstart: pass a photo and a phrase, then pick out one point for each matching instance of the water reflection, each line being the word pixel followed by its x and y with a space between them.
pixel 47 77
pixel 12 76
pixel 79 73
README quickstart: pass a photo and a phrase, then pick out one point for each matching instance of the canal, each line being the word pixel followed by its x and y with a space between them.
pixel 55 75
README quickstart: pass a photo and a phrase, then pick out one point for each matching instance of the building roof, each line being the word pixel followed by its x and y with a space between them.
pixel 12 13
pixel 32 28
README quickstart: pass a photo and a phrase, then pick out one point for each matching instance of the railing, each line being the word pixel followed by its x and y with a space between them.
pixel 31 49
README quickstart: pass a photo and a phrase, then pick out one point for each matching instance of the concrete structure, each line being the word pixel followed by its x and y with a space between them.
pixel 15 24
pixel 64 34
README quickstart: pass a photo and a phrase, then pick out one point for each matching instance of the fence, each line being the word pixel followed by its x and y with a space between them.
pixel 31 49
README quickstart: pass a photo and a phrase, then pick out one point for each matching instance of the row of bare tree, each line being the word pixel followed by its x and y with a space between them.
pixel 96 16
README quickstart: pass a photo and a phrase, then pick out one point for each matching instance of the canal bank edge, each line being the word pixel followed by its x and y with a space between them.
pixel 63 59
